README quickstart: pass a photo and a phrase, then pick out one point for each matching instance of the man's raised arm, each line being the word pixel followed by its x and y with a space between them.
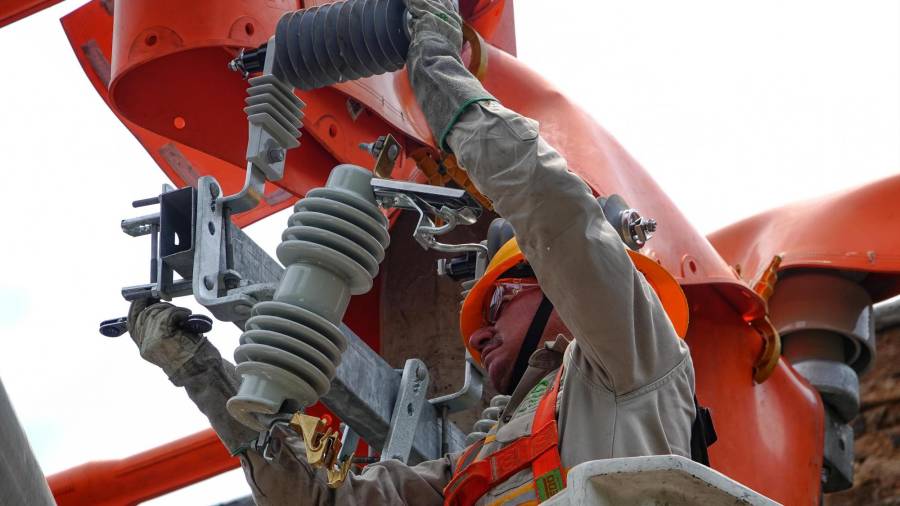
pixel 579 259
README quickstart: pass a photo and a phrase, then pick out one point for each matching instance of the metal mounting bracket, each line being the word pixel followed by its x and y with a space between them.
pixel 231 273
pixel 466 397
pixel 171 232
pixel 452 206
pixel 407 411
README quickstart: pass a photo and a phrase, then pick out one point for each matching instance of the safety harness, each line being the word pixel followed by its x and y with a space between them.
pixel 539 450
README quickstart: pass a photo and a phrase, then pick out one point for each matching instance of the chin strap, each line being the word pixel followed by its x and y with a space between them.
pixel 532 337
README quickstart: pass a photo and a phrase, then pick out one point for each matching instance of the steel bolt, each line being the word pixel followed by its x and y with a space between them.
pixel 275 155
pixel 209 282
pixel 393 151
pixel 232 279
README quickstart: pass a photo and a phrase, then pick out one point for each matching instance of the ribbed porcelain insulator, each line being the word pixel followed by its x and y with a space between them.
pixel 292 344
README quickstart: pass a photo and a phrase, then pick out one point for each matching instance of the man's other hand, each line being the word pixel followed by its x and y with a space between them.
pixel 156 329
pixel 437 20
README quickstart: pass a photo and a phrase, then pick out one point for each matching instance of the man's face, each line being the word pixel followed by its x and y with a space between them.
pixel 499 343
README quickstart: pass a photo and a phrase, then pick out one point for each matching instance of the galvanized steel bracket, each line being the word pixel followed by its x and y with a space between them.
pixel 407 411
pixel 230 271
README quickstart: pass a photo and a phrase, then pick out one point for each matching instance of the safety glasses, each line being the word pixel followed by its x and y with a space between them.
pixel 506 290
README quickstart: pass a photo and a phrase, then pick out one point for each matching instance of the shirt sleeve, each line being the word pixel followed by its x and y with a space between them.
pixel 580 261
pixel 211 380
pixel 288 479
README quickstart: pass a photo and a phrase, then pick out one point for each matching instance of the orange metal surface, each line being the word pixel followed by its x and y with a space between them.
pixel 14 10
pixel 770 434
pixel 850 230
pixel 169 85
pixel 89 30
pixel 186 60
pixel 145 475
pixel 156 472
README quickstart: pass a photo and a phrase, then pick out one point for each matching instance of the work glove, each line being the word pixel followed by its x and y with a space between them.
pixel 192 362
pixel 155 329
pixel 443 86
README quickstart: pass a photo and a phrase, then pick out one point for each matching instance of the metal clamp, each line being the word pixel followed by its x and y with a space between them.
pixel 771 352
pixel 171 232
pixel 450 206
pixel 323 447
pixel 230 271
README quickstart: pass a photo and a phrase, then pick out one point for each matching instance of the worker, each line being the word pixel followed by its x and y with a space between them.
pixel 562 320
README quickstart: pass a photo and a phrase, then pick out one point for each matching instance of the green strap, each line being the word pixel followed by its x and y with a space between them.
pixel 455 118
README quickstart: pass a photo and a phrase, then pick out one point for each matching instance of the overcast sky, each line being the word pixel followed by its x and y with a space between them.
pixel 734 107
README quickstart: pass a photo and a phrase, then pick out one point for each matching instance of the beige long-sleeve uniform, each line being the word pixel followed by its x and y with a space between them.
pixel 629 382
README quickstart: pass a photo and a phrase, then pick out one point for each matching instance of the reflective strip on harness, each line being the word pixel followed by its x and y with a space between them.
pixel 538 450
pixel 547 470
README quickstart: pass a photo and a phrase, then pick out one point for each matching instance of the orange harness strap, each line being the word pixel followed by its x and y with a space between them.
pixel 547 470
pixel 540 450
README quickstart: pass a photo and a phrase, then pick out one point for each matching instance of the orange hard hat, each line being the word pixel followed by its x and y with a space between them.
pixel 471 316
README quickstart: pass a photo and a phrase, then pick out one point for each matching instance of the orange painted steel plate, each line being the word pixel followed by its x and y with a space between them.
pixel 850 230
pixel 770 434
pixel 89 30
pixel 14 10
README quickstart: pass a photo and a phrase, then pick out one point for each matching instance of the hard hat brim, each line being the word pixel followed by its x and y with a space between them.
pixel 471 316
